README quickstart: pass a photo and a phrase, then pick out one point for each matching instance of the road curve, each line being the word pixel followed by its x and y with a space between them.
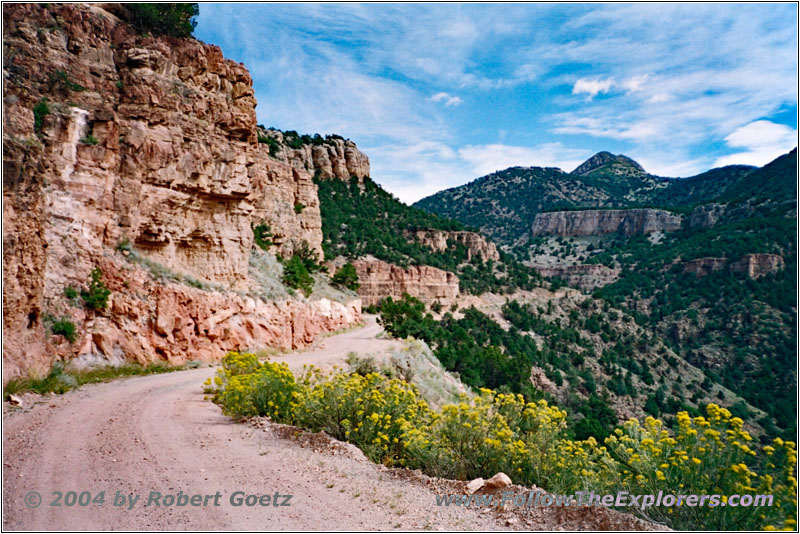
pixel 157 433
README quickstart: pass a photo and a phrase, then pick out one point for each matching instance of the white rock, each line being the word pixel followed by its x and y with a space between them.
pixel 500 480
pixel 474 486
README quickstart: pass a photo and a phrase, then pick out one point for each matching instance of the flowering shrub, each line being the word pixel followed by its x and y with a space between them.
pixel 502 432
pixel 388 420
pixel 710 455
pixel 369 411
pixel 248 388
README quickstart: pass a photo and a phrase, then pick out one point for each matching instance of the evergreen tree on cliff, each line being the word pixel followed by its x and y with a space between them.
pixel 175 20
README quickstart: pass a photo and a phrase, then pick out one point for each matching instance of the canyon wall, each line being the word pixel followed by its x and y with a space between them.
pixel 475 243
pixel 332 157
pixel 379 279
pixel 753 265
pixel 116 140
pixel 628 222
pixel 758 265
pixel 584 276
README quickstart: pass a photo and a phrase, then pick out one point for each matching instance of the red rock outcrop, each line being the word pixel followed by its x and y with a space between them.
pixel 148 322
pixel 758 265
pixel 379 279
pixel 600 222
pixel 334 158
pixel 139 140
pixel 475 243
pixel 753 265
pixel 583 276
pixel 704 266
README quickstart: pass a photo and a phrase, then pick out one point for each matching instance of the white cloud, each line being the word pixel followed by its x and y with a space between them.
pixel 762 140
pixel 592 87
pixel 659 98
pixel 447 99
pixel 436 166
pixel 635 83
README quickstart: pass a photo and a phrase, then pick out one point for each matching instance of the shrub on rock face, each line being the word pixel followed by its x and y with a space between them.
pixel 96 297
pixel 296 275
pixel 175 20
pixel 66 328
pixel 347 277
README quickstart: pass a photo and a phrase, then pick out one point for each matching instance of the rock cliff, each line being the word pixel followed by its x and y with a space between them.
pixel 475 243
pixel 583 276
pixel 331 157
pixel 758 265
pixel 705 216
pixel 379 279
pixel 599 222
pixel 753 265
pixel 111 138
pixel 704 266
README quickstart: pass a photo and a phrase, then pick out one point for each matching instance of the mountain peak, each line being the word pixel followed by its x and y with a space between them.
pixel 617 163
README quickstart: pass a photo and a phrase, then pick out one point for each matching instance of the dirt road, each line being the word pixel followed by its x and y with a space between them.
pixel 158 434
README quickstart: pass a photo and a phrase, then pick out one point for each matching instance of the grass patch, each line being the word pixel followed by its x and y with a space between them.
pixel 59 380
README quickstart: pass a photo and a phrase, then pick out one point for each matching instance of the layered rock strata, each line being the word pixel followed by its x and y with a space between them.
pixel 379 279
pixel 116 140
pixel 332 158
pixel 583 276
pixel 600 222
pixel 476 244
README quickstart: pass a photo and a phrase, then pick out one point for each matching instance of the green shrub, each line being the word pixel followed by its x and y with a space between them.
pixel 71 293
pixel 89 140
pixel 361 366
pixel 308 257
pixel 175 20
pixel 61 77
pixel 261 236
pixel 64 327
pixel 268 391
pixel 299 207
pixel 96 297
pixel 296 275
pixel 40 111
pixel 346 276
pixel 272 143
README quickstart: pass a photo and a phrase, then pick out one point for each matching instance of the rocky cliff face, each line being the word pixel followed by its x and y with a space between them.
pixel 111 138
pixel 333 157
pixel 475 243
pixel 704 266
pixel 705 216
pixel 599 222
pixel 753 265
pixel 584 276
pixel 758 265
pixel 379 279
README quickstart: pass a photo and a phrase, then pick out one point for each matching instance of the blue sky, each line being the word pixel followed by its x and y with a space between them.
pixel 439 94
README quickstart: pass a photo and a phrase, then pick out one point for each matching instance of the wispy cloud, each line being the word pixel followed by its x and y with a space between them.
pixel 446 99
pixel 592 87
pixel 427 89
